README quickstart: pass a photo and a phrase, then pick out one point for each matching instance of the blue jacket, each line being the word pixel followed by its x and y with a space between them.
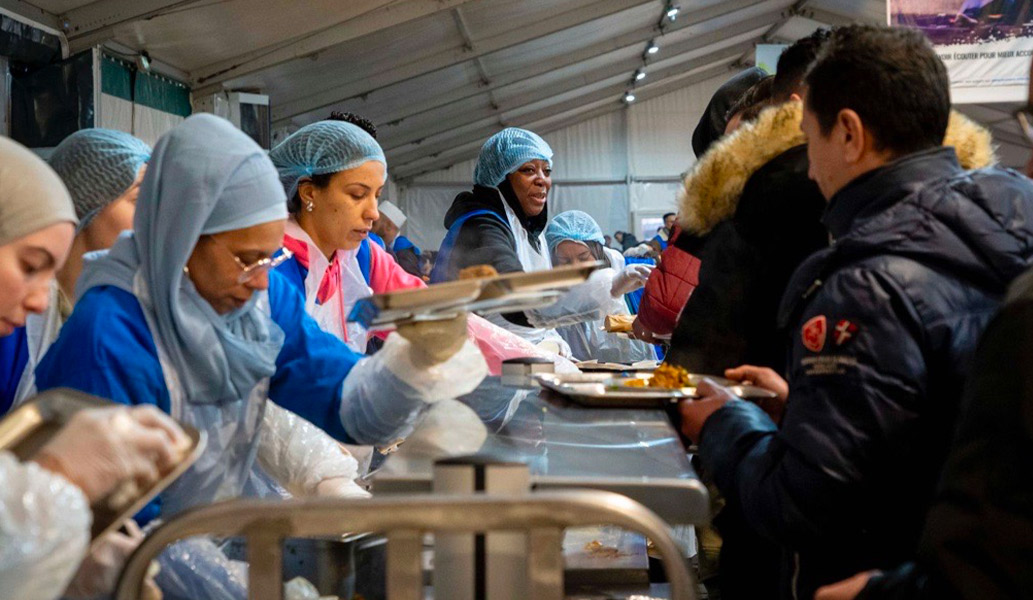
pixel 107 349
pixel 882 327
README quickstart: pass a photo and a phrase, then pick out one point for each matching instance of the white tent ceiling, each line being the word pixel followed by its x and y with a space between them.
pixel 440 76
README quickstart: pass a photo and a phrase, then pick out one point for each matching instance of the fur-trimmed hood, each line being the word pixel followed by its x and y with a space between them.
pixel 711 190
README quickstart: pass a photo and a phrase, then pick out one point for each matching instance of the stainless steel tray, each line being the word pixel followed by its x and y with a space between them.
pixel 603 390
pixel 511 292
pixel 642 366
pixel 30 426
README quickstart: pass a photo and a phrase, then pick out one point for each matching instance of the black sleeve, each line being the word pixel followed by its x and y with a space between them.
pixel 409 261
pixel 850 404
pixel 978 535
pixel 484 240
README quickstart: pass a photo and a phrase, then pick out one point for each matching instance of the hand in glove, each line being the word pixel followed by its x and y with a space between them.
pixel 102 448
pixel 99 571
pixel 340 487
pixel 435 342
pixel 630 278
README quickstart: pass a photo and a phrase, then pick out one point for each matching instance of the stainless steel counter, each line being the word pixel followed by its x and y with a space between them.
pixel 633 452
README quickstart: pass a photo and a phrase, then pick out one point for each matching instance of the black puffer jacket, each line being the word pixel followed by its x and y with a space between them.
pixel 883 325
pixel 978 535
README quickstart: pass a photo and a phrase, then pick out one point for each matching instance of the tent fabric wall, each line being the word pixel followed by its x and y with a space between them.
pixel 143 104
pixel 613 166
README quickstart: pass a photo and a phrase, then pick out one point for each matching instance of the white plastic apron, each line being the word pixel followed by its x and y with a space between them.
pixel 41 330
pixel 531 260
pixel 590 340
pixel 232 429
pixel 332 315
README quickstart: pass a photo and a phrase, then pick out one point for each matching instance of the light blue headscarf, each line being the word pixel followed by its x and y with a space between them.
pixel 321 148
pixel 573 225
pixel 204 177
pixel 505 151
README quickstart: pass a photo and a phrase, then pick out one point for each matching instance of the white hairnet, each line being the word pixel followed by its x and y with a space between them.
pixel 573 225
pixel 507 150
pixel 321 148
pixel 98 165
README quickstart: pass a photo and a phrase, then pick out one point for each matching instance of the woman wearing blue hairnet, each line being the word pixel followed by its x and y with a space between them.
pixel 574 237
pixel 501 223
pixel 333 173
pixel 185 313
pixel 102 169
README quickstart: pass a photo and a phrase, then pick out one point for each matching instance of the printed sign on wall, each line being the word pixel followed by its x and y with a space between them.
pixel 987 45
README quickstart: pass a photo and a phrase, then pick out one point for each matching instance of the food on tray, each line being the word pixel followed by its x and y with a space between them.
pixel 666 376
pixel 598 549
pixel 618 323
pixel 670 376
pixel 478 272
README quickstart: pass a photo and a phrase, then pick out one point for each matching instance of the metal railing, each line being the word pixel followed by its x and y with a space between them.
pixel 404 520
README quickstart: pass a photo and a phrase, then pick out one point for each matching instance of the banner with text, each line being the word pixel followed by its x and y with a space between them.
pixel 987 45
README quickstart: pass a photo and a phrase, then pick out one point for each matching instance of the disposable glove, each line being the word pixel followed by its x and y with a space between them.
pixel 102 448
pixel 629 279
pixel 98 573
pixel 435 342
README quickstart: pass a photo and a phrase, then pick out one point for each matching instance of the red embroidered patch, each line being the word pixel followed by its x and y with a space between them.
pixel 845 331
pixel 813 333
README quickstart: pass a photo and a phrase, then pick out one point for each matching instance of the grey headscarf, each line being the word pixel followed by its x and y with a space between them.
pixel 205 176
pixel 31 194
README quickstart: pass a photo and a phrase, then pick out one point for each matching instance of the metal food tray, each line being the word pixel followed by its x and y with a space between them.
pixel 642 366
pixel 26 429
pixel 603 390
pixel 512 292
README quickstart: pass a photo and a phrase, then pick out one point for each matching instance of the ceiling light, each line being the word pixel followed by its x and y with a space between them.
pixel 629 97
pixel 640 75
pixel 652 48
pixel 672 12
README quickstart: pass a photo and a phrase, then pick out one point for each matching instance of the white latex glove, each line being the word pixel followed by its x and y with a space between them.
pixel 435 342
pixel 340 487
pixel 98 573
pixel 101 448
pixel 630 278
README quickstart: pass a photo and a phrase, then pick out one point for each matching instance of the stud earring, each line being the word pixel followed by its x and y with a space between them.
pixel 309 206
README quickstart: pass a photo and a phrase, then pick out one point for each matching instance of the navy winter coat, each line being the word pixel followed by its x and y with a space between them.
pixel 883 325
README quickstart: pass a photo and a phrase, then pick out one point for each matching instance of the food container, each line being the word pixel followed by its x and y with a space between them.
pixel 512 292
pixel 30 426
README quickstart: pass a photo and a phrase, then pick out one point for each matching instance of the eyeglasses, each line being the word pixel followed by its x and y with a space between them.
pixel 262 265
pixel 1025 118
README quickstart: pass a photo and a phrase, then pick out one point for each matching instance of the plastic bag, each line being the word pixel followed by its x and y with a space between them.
pixel 300 456
pixel 498 345
pixel 44 530
pixel 384 394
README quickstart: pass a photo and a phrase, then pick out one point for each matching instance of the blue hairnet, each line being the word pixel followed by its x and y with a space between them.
pixel 573 225
pixel 505 151
pixel 320 148
pixel 97 166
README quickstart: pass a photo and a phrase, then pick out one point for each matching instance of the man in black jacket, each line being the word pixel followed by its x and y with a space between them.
pixel 882 324
pixel 978 534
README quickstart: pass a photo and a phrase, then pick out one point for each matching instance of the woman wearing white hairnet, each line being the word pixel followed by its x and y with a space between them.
pixel 333 173
pixel 574 237
pixel 102 169
pixel 501 223
pixel 44 504
pixel 185 313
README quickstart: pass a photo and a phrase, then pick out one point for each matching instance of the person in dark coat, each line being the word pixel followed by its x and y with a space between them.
pixel 882 324
pixel 978 533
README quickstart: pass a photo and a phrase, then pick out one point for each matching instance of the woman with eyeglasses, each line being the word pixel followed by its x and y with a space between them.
pixel 333 173
pixel 187 313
